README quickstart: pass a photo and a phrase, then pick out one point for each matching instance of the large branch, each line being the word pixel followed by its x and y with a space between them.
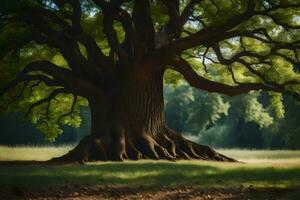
pixel 71 109
pixel 59 74
pixel 24 78
pixel 188 10
pixel 209 34
pixel 76 18
pixel 48 100
pixel 174 26
pixel 112 37
pixel 66 78
pixel 130 43
pixel 177 20
pixel 200 82
pixel 112 11
pixel 141 15
pixel 58 39
pixel 117 13
pixel 95 55
pixel 66 39
pixel 262 58
pixel 205 35
pixel 60 77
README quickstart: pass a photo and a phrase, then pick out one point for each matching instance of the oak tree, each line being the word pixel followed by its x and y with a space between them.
pixel 112 55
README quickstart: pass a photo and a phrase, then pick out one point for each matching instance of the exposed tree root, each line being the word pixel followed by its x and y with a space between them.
pixel 167 145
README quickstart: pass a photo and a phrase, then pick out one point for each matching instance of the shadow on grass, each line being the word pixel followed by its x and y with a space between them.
pixel 149 174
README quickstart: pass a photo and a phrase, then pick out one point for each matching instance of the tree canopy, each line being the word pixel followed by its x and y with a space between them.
pixel 53 52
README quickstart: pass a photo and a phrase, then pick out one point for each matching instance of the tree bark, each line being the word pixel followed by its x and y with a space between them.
pixel 130 124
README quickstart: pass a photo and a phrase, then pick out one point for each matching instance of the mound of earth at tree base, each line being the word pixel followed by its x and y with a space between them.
pixel 78 192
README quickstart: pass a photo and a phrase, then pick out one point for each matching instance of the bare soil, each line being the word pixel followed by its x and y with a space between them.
pixel 83 192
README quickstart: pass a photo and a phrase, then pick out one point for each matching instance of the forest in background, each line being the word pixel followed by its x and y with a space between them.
pixel 245 121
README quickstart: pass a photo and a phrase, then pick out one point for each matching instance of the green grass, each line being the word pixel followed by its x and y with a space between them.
pixel 263 155
pixel 38 153
pixel 283 171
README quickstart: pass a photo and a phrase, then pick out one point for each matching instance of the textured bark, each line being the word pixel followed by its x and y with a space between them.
pixel 124 88
pixel 131 125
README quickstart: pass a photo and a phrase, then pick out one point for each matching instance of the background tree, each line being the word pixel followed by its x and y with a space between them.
pixel 245 121
pixel 112 55
pixel 13 131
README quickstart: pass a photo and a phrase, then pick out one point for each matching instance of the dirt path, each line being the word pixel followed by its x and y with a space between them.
pixel 78 192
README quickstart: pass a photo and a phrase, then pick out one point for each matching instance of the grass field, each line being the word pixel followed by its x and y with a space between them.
pixel 258 169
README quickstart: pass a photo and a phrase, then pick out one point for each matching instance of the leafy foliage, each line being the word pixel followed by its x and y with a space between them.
pixel 277 104
pixel 246 121
pixel 252 45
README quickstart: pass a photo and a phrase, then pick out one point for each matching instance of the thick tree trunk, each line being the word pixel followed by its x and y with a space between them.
pixel 130 124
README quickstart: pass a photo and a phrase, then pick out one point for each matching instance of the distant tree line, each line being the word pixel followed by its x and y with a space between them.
pixel 14 131
pixel 246 121
pixel 254 120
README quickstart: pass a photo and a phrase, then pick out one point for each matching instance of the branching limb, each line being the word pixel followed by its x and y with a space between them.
pixel 47 100
pixel 60 77
pixel 200 82
pixel 237 58
pixel 21 78
pixel 143 24
pixel 209 33
pixel 76 18
pixel 174 26
pixel 262 59
pixel 112 11
pixel 117 13
pixel 217 33
pixel 93 51
pixel 71 109
pixel 188 11
pixel 66 38
pixel 34 86
pixel 112 37
pixel 63 77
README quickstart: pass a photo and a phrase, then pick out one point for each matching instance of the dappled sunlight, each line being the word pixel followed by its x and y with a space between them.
pixel 153 174
pixel 38 153
pixel 261 168
pixel 278 162
pixel 280 158
pixel 261 154
pixel 136 97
